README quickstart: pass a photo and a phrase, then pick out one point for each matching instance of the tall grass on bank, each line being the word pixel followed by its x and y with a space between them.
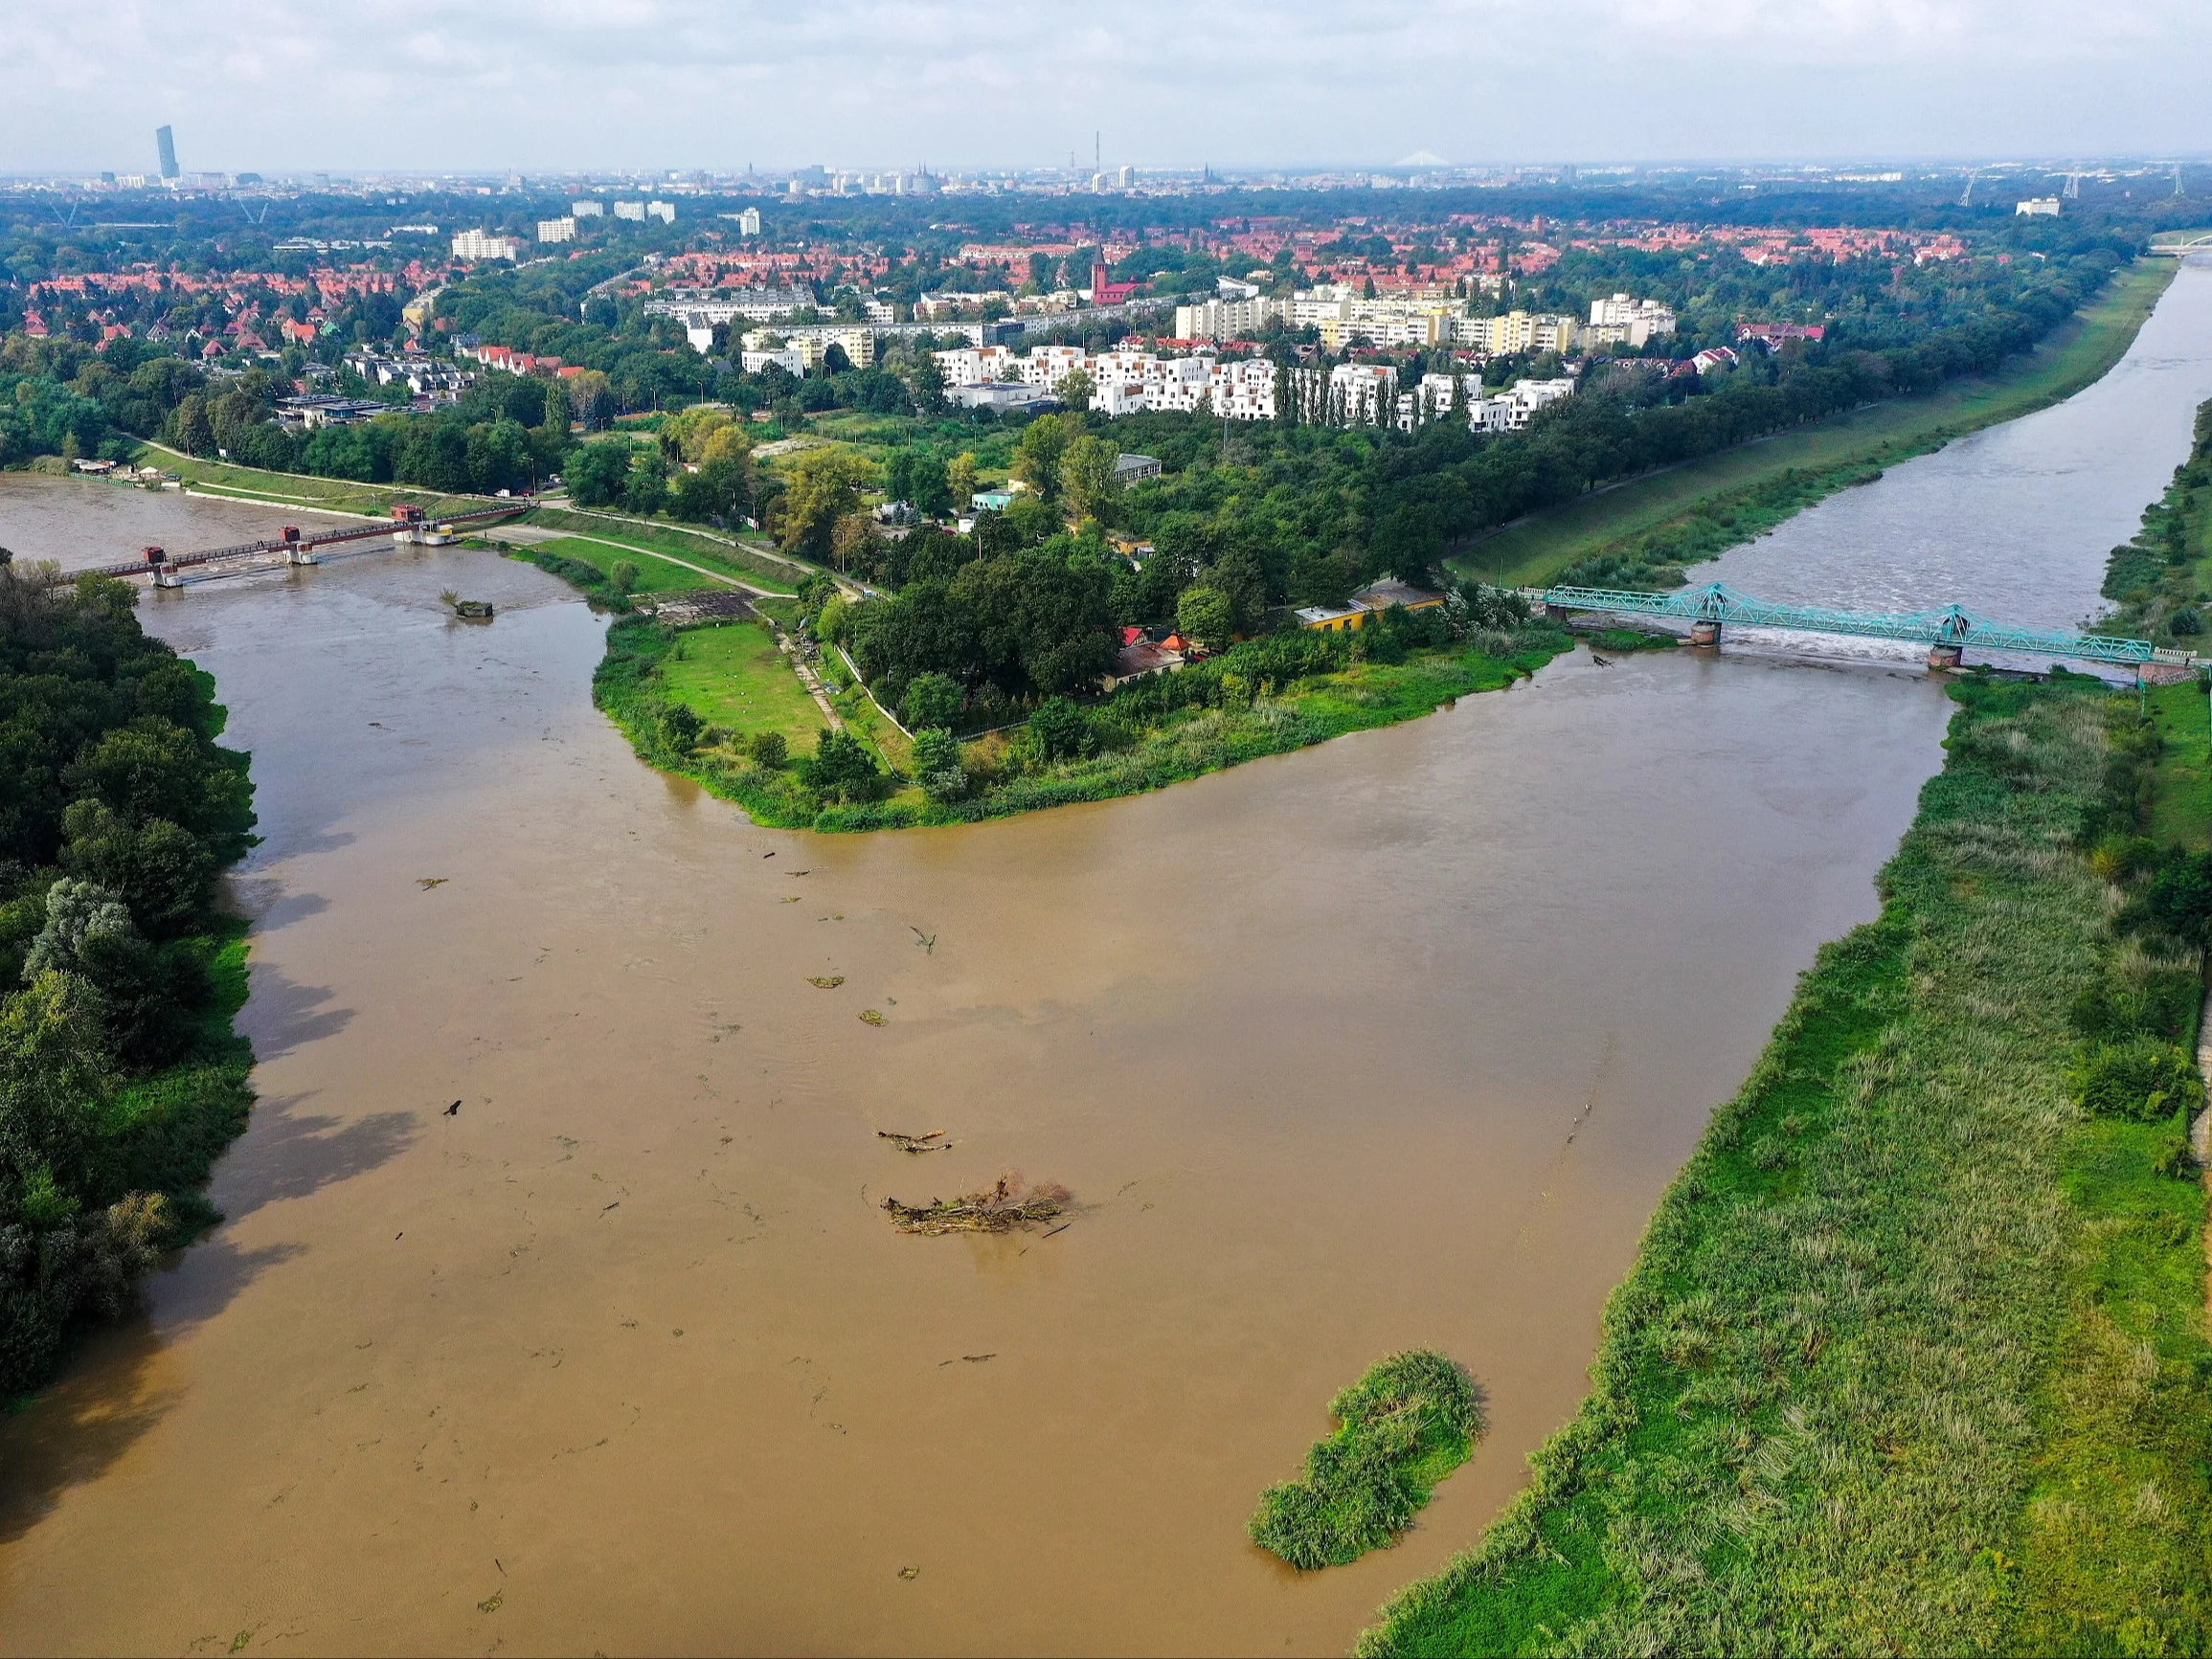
pixel 1405 1426
pixel 1912 1359
pixel 2158 577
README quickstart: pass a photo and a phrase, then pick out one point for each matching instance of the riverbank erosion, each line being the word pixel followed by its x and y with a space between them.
pixel 1913 1357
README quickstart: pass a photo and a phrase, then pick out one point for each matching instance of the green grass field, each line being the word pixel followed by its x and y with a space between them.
pixel 735 677
pixel 1843 446
pixel 655 574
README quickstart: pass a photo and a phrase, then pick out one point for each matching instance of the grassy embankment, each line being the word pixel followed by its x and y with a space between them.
pixel 723 555
pixel 1221 719
pixel 1640 535
pixel 337 495
pixel 1913 1356
pixel 2161 578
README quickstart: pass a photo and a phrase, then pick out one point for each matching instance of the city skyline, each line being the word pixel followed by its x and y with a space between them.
pixel 676 84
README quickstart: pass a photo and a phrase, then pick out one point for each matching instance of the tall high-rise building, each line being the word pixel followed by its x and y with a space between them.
pixel 167 139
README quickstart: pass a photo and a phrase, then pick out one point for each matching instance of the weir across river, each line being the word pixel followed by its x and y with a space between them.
pixel 408 526
pixel 1945 632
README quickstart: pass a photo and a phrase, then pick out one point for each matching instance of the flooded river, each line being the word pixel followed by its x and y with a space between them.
pixel 1390 1042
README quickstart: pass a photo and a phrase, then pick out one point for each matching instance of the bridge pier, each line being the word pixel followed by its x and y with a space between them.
pixel 1704 632
pixel 1555 612
pixel 300 553
pixel 1943 658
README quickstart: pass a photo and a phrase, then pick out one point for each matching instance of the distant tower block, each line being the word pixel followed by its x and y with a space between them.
pixel 167 139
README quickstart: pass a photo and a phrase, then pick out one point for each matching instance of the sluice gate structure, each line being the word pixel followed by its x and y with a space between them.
pixel 408 526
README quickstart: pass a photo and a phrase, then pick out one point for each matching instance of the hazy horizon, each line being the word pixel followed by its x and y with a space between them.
pixel 631 84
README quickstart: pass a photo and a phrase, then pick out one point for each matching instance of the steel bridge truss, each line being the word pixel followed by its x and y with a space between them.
pixel 1955 626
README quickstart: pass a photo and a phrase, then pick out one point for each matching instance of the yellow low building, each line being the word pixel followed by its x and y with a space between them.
pixel 1368 601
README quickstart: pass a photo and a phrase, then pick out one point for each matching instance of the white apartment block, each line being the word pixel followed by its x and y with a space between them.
pixel 1353 394
pixel 1244 389
pixel 753 305
pixel 2036 206
pixel 1507 410
pixel 1387 324
pixel 1511 411
pixel 1432 397
pixel 977 366
pixel 556 229
pixel 1624 321
pixel 813 341
pixel 630 211
pixel 1227 319
pixel 1349 394
pixel 1328 301
pixel 484 245
pixel 748 222
pixel 786 358
pixel 1519 332
pixel 1124 382
pixel 665 211
pixel 587 210
pixel 1049 364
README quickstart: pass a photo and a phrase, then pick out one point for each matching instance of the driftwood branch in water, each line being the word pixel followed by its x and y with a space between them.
pixel 998 1209
pixel 934 1141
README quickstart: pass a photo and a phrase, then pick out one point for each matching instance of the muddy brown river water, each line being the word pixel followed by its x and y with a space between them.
pixel 1394 1042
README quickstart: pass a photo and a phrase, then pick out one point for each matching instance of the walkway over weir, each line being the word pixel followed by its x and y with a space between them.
pixel 1945 632
pixel 407 526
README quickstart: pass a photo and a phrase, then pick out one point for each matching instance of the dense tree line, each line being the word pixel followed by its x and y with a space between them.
pixel 504 432
pixel 60 397
pixel 119 810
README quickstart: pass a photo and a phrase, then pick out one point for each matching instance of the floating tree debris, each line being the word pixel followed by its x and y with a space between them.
pixel 934 1141
pixel 1001 1208
pixel 827 981
pixel 873 1015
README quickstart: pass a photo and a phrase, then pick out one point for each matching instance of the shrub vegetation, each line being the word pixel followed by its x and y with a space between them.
pixel 1405 1426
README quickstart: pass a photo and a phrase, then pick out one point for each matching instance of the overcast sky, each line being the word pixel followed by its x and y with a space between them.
pixel 558 84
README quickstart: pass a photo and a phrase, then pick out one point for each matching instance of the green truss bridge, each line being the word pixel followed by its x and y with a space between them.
pixel 1945 632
